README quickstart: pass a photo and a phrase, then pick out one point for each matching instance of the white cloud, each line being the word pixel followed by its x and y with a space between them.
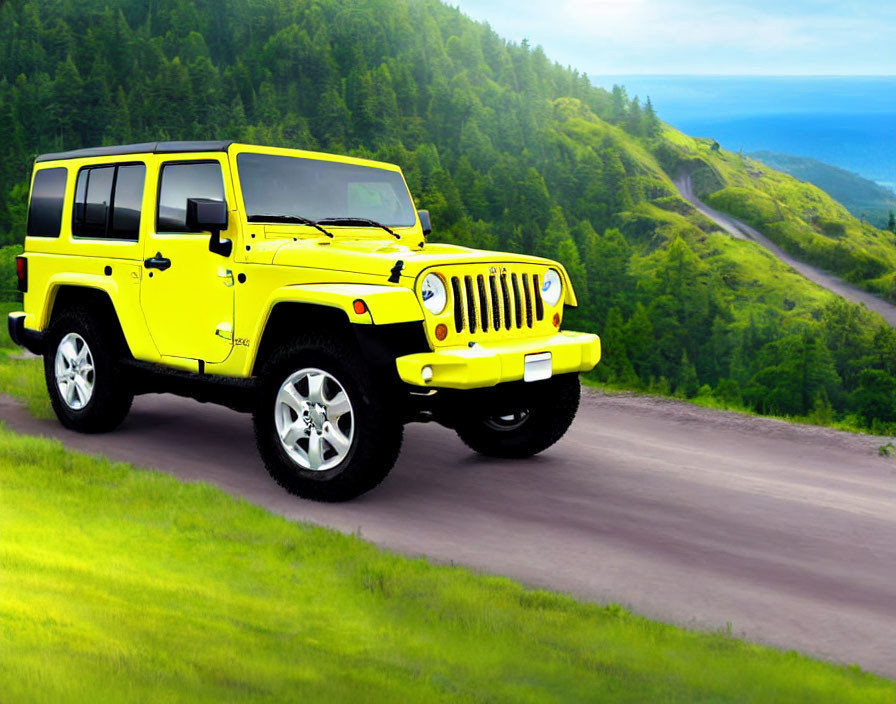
pixel 694 36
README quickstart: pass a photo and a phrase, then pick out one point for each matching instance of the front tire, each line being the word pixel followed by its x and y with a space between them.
pixel 529 420
pixel 88 391
pixel 323 427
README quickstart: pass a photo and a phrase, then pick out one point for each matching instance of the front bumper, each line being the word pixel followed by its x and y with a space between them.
pixel 488 364
pixel 31 340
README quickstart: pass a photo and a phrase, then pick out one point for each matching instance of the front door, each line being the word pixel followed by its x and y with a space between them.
pixel 186 290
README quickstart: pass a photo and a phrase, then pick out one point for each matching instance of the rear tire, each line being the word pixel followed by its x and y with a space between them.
pixel 88 391
pixel 322 425
pixel 531 419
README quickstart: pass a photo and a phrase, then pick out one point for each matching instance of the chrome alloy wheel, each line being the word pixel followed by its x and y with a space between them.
pixel 314 419
pixel 74 371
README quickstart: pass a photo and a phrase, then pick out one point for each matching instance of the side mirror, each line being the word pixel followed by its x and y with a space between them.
pixel 207 215
pixel 424 221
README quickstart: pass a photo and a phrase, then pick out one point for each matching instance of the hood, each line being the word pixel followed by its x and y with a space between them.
pixel 379 257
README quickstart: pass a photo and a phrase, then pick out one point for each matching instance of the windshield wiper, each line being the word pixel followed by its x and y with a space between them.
pixel 296 219
pixel 360 221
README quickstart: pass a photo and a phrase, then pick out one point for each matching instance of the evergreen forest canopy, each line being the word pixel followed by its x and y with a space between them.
pixel 507 149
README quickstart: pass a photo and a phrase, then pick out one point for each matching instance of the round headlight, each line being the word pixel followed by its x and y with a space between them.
pixel 434 293
pixel 551 287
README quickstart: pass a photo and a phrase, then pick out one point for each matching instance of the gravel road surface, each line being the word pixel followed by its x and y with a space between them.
pixel 698 517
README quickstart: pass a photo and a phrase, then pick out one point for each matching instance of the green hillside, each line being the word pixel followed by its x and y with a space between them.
pixel 506 148
pixel 798 216
pixel 860 196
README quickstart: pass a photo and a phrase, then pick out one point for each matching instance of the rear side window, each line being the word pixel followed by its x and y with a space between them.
pixel 181 181
pixel 108 201
pixel 47 198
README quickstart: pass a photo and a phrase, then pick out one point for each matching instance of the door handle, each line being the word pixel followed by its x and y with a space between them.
pixel 157 262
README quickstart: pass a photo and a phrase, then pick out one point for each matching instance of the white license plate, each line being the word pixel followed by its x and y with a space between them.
pixel 537 367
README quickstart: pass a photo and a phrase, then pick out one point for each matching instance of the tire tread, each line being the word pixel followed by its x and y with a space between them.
pixel 378 441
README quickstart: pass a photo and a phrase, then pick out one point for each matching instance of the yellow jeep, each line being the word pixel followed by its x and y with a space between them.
pixel 294 285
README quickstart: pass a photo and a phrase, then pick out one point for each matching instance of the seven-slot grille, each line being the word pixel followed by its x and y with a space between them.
pixel 495 300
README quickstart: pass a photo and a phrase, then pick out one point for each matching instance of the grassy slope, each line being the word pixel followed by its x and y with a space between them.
pixel 127 585
pixel 861 196
pixel 754 279
pixel 800 217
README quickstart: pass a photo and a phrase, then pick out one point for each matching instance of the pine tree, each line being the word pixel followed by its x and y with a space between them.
pixel 619 105
pixel 652 124
pixel 119 128
pixel 634 122
pixel 615 356
pixel 67 89
pixel 686 383
pixel 640 343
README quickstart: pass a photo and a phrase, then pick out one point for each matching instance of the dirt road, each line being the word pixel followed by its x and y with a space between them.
pixel 703 518
pixel 742 231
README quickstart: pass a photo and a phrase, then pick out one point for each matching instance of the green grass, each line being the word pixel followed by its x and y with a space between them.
pixel 22 378
pixel 124 585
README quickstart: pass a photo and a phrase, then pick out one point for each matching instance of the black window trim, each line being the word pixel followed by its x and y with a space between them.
pixel 31 194
pixel 184 162
pixel 105 237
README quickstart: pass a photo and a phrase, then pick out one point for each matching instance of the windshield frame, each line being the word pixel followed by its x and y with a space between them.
pixel 238 150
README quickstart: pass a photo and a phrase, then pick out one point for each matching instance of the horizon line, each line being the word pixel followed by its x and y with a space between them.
pixel 750 75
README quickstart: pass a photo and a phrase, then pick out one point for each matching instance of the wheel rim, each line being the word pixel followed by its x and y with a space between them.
pixel 74 371
pixel 511 421
pixel 314 419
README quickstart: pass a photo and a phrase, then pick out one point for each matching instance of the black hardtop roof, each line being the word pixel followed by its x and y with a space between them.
pixel 142 148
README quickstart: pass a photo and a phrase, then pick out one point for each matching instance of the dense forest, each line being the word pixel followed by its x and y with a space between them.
pixel 507 149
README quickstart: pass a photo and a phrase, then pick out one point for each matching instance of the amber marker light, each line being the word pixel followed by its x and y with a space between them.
pixel 556 320
pixel 441 331
pixel 360 306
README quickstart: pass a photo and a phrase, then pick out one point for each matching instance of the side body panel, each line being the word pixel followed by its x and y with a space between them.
pixel 188 307
pixel 55 262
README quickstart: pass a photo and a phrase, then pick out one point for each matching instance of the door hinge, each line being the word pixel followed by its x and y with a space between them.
pixel 225 331
pixel 227 275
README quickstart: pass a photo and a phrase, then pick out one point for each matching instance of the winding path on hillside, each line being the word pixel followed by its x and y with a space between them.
pixel 741 230
pixel 704 518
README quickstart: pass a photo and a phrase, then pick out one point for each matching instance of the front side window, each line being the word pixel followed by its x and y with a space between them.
pixel 47 199
pixel 287 186
pixel 180 181
pixel 108 201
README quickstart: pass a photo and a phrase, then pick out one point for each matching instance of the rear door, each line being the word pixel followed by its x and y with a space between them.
pixel 186 290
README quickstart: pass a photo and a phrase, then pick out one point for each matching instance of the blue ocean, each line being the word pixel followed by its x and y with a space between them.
pixel 848 121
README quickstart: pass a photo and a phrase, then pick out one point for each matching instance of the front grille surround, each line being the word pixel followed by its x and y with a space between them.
pixel 490 302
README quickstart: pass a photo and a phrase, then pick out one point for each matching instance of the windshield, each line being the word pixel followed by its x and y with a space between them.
pixel 313 189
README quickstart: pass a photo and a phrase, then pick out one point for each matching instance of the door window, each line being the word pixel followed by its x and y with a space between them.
pixel 128 201
pixel 108 201
pixel 179 181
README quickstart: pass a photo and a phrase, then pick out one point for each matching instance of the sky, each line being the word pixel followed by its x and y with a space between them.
pixel 759 37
